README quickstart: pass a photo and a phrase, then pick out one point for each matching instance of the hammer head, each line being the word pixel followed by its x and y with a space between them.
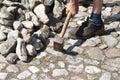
pixel 58 43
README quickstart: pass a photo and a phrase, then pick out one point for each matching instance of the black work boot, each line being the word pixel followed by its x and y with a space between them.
pixel 87 30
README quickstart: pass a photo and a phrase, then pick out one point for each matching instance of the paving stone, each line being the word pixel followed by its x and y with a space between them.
pixel 92 42
pixel 113 53
pixel 113 62
pixel 24 75
pixel 33 69
pixel 3 75
pixel 109 68
pixel 61 64
pixel 110 41
pixel 74 59
pixel 41 55
pixel 59 72
pixel 76 78
pixel 46 68
pixel 105 76
pixel 91 61
pixel 92 70
pixel 76 69
pixel 103 46
pixel 95 53
pixel 12 68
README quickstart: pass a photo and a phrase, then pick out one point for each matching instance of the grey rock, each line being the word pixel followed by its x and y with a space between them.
pixel 40 12
pixel 48 2
pixel 17 25
pixel 31 50
pixel 110 41
pixel 105 76
pixel 6 22
pixel 8 46
pixel 28 24
pixel 2 36
pixel 14 34
pixel 95 53
pixel 34 19
pixel 12 68
pixel 5 29
pixel 21 50
pixel 26 35
pixel 112 53
pixel 4 14
pixel 12 58
pixel 58 9
pixel 59 72
pixel 24 75
pixel 74 59
pixel 37 43
pixel 76 69
pixel 3 76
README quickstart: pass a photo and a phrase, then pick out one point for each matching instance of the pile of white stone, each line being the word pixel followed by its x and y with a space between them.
pixel 24 26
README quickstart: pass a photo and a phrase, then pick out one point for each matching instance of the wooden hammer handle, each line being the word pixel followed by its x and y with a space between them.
pixel 65 24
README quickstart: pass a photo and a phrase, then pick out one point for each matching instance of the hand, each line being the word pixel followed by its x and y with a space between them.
pixel 72 7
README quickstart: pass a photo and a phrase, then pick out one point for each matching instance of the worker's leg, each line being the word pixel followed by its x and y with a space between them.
pixel 96 12
pixel 93 25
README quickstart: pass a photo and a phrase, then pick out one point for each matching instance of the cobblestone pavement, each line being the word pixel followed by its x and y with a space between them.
pixel 97 58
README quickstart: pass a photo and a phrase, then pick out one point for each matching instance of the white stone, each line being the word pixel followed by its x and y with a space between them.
pixel 80 22
pixel 12 68
pixel 105 76
pixel 24 75
pixel 40 12
pixel 76 69
pixel 92 70
pixel 2 66
pixel 74 42
pixel 31 50
pixel 14 34
pixel 3 76
pixel 17 25
pixel 109 9
pixel 83 9
pixel 61 64
pixel 2 35
pixel 28 24
pixel 33 69
pixel 59 72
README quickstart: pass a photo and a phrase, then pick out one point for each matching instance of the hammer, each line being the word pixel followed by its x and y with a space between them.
pixel 59 40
